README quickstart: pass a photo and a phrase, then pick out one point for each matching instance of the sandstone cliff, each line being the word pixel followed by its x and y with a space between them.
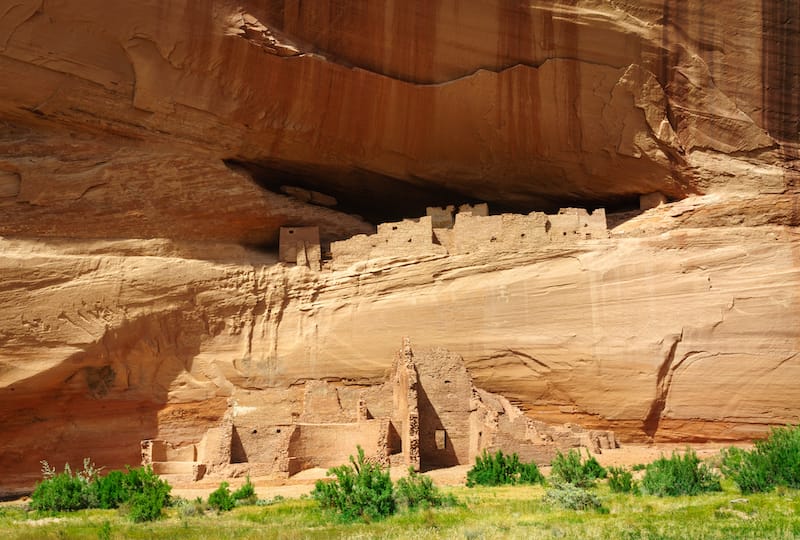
pixel 143 146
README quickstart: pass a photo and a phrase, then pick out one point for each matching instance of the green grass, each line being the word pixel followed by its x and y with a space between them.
pixel 486 512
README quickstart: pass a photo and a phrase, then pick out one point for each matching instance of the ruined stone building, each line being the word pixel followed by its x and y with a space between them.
pixel 300 245
pixel 470 230
pixel 428 414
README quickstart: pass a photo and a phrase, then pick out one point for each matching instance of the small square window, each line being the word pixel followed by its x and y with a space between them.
pixel 441 439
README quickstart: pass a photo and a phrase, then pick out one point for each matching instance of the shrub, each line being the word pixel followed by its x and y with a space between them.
pixel 569 469
pixel 782 450
pixel 140 489
pixel 620 480
pixel 775 461
pixel 246 494
pixel 500 469
pixel 572 497
pixel 60 492
pixel 592 468
pixel 418 490
pixel 679 475
pixel 221 499
pixel 361 490
pixel 109 491
pixel 188 508
pixel 749 470
pixel 146 494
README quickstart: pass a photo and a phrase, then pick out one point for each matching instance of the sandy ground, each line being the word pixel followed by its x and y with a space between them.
pixel 303 482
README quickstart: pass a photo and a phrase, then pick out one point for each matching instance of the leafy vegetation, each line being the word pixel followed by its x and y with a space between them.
pixel 140 490
pixel 60 492
pixel 361 491
pixel 246 494
pixel 774 461
pixel 221 499
pixel 147 494
pixel 571 497
pixel 620 480
pixel 418 491
pixel 490 512
pixel 514 512
pixel 679 475
pixel 109 491
pixel 501 469
pixel 570 469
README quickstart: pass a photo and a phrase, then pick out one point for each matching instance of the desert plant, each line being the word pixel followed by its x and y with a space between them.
pixel 571 497
pixel 749 470
pixel 679 475
pixel 147 494
pixel 782 450
pixel 187 508
pixel 591 467
pixel 500 469
pixel 60 492
pixel 620 480
pixel 221 498
pixel 246 494
pixel 109 491
pixel 570 469
pixel 141 490
pixel 361 490
pixel 418 491
pixel 774 461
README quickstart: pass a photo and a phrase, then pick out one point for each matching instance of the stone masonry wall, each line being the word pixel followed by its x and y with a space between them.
pixel 471 231
pixel 400 239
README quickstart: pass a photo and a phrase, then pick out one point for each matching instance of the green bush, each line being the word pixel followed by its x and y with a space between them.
pixel 749 470
pixel 592 468
pixel 500 469
pixel 418 491
pixel 571 497
pixel 246 494
pixel 775 461
pixel 620 480
pixel 146 494
pixel 679 475
pixel 361 490
pixel 109 491
pixel 221 499
pixel 570 469
pixel 60 492
pixel 141 490
pixel 782 450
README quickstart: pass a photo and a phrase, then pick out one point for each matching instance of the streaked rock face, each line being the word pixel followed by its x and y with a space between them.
pixel 143 146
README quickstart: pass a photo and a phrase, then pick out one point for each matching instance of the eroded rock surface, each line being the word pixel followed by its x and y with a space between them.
pixel 143 146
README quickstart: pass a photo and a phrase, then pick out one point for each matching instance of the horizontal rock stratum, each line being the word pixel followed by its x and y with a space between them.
pixel 149 152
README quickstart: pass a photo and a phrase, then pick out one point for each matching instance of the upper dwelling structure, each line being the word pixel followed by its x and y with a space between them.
pixel 472 229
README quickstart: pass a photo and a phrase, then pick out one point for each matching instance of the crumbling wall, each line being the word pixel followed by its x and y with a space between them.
pixel 473 230
pixel 328 445
pixel 300 245
pixel 505 232
pixel 405 393
pixel 480 209
pixel 445 393
pixel 441 218
pixel 572 224
pixel 427 414
pixel 407 238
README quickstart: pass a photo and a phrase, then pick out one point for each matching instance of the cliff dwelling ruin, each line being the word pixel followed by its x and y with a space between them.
pixel 427 414
pixel 441 232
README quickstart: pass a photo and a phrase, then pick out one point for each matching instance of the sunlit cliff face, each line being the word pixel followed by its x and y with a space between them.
pixel 147 147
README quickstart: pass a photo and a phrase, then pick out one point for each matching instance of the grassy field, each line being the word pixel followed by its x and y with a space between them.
pixel 503 512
